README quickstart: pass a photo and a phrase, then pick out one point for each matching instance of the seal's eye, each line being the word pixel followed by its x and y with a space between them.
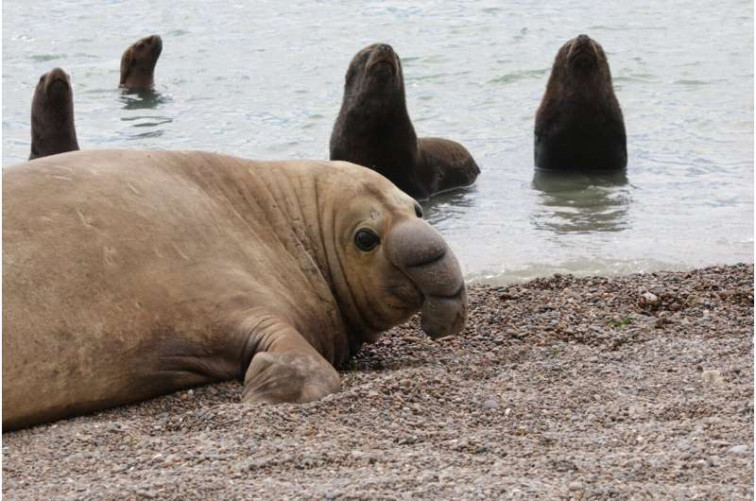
pixel 366 240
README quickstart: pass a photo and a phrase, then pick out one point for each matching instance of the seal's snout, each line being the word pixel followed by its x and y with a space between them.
pixel 383 57
pixel 583 52
pixel 157 44
pixel 419 251
pixel 57 81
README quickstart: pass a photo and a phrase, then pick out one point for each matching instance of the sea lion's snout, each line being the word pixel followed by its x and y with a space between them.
pixel 57 82
pixel 383 58
pixel 422 254
pixel 157 45
pixel 583 52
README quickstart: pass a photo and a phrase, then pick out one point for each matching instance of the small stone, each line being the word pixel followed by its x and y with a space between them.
pixel 575 486
pixel 740 449
pixel 648 299
pixel 713 377
pixel 491 404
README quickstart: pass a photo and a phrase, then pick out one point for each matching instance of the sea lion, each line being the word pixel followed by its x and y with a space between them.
pixel 130 274
pixel 579 124
pixel 52 116
pixel 374 129
pixel 138 63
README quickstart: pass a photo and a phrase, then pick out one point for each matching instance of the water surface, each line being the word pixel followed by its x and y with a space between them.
pixel 264 80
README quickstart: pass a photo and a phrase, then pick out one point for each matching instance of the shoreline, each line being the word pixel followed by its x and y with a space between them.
pixel 563 387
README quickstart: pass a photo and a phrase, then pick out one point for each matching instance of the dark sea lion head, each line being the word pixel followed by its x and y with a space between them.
pixel 138 62
pixel 375 75
pixel 54 93
pixel 52 115
pixel 581 62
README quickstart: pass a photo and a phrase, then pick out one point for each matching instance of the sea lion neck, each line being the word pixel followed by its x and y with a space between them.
pixel 587 86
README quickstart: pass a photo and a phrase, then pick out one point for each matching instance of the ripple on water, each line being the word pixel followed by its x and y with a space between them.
pixel 42 58
pixel 520 75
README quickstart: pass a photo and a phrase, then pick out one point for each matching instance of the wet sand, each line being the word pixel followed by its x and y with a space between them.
pixel 638 386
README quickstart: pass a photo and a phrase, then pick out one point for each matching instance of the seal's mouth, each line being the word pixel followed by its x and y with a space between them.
pixel 583 52
pixel 383 61
pixel 383 64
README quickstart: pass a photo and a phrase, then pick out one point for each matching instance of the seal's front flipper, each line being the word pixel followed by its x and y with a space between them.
pixel 289 371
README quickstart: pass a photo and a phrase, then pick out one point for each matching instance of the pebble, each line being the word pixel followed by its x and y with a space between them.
pixel 575 486
pixel 649 298
pixel 740 449
pixel 713 377
pixel 491 404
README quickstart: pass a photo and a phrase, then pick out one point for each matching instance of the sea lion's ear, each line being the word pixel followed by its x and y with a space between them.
pixel 126 60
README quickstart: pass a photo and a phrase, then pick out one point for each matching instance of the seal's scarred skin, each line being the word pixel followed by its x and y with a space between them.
pixel 52 116
pixel 138 63
pixel 130 274
pixel 374 129
pixel 579 124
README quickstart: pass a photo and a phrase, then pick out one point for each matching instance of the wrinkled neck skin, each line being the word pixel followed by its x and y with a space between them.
pixel 304 216
pixel 53 129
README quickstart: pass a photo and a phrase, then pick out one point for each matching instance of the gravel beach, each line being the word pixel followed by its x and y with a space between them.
pixel 630 387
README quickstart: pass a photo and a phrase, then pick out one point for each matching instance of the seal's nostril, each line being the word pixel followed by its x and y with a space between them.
pixel 582 38
pixel 418 210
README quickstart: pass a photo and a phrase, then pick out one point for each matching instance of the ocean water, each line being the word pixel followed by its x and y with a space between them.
pixel 264 80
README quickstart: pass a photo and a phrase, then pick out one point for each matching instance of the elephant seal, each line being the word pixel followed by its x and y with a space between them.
pixel 138 63
pixel 579 124
pixel 130 274
pixel 374 129
pixel 52 116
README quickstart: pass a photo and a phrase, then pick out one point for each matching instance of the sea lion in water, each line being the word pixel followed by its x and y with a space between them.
pixel 52 116
pixel 579 125
pixel 374 129
pixel 138 63
pixel 129 274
